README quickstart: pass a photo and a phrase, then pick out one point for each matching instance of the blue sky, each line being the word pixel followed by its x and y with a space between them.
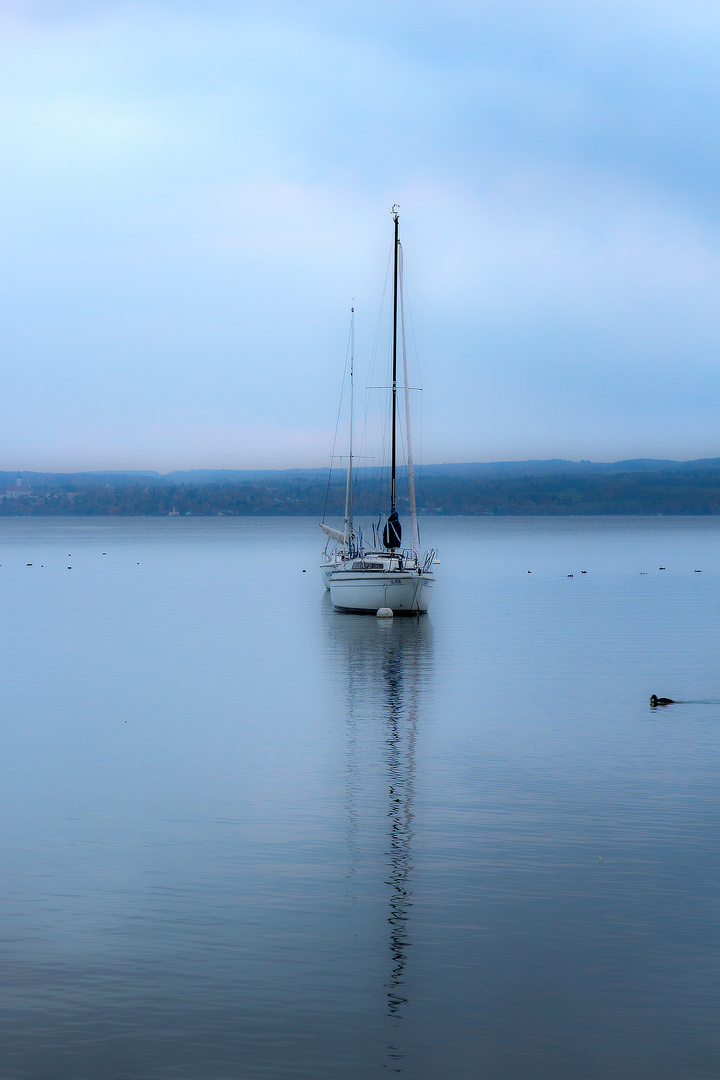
pixel 192 193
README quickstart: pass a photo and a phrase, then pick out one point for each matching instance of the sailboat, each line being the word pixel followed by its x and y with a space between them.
pixel 388 576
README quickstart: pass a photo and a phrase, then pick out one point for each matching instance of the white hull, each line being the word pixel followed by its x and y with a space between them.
pixel 334 563
pixel 402 591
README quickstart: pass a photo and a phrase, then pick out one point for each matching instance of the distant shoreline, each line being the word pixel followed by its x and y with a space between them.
pixel 503 489
pixel 202 477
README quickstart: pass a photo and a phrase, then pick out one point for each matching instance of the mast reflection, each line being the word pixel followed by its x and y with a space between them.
pixel 384 665
pixel 402 731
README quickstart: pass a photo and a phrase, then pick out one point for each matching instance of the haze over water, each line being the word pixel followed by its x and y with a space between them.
pixel 246 836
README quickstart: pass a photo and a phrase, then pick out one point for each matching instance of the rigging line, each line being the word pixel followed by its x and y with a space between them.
pixel 416 354
pixel 337 424
pixel 382 478
pixel 378 325
pixel 374 483
pixel 411 475
pixel 412 332
pixel 421 474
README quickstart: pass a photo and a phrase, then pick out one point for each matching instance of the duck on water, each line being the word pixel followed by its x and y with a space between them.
pixel 655 701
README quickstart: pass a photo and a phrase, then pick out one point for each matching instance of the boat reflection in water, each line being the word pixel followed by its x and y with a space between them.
pixel 385 666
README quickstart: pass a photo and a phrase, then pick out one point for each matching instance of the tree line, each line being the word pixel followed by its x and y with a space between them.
pixel 652 492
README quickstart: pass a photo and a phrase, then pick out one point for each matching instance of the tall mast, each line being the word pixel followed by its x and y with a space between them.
pixel 392 533
pixel 394 358
pixel 348 487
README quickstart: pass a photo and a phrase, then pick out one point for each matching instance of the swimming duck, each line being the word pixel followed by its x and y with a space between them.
pixel 655 701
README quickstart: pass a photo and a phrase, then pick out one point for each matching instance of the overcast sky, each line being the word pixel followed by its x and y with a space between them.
pixel 194 191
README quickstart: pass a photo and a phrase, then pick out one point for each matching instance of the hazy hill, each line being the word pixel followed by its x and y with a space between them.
pixel 551 467
pixel 503 488
pixel 203 477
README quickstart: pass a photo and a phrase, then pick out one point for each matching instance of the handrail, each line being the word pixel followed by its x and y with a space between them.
pixel 429 559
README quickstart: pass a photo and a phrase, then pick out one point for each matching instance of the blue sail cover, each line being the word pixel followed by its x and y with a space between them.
pixel 392 533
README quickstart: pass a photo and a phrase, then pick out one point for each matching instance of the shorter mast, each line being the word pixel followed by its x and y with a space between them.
pixel 348 486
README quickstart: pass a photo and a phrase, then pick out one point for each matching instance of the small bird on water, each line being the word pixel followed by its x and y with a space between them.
pixel 655 701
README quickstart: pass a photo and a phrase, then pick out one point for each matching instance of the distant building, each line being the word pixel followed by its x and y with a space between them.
pixel 18 491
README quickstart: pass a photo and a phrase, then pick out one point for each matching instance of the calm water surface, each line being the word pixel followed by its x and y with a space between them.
pixel 247 837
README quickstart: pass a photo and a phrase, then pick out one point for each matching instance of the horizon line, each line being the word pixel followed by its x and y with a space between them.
pixel 327 468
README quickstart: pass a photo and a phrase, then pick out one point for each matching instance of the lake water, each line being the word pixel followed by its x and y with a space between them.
pixel 248 837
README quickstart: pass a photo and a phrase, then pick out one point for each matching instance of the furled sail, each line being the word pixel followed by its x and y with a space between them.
pixel 392 533
pixel 334 534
